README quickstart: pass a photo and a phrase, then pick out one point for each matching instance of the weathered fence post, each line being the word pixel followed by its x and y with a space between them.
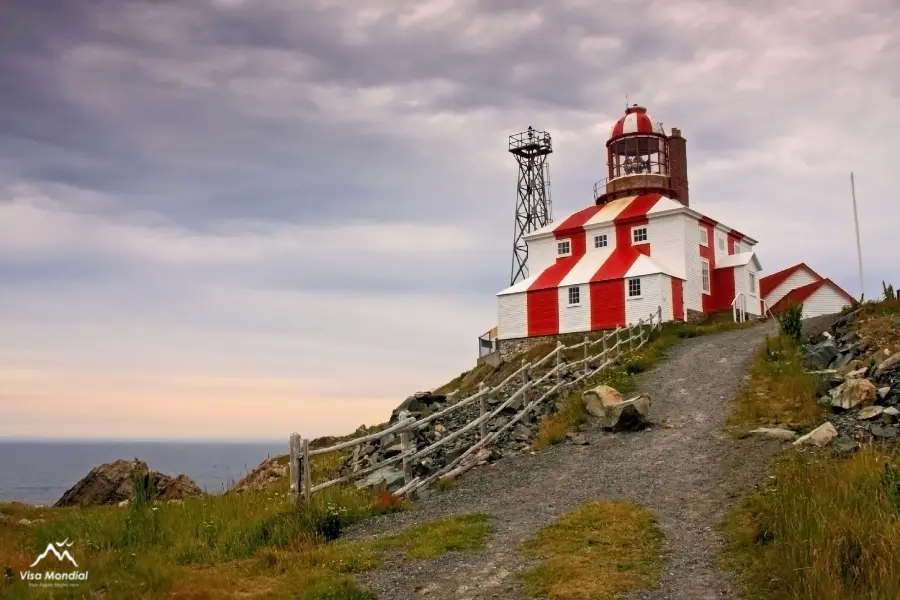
pixel 559 347
pixel 404 448
pixel 296 444
pixel 307 473
pixel 524 382
pixel 586 343
pixel 482 429
pixel 631 338
pixel 603 339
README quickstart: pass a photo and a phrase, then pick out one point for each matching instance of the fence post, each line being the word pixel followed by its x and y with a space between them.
pixel 404 448
pixel 603 339
pixel 559 347
pixel 524 382
pixel 630 338
pixel 296 445
pixel 307 473
pixel 482 429
pixel 586 343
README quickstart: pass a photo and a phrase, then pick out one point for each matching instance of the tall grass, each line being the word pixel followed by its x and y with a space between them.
pixel 825 529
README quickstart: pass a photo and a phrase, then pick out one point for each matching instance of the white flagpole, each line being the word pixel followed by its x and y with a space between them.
pixel 862 287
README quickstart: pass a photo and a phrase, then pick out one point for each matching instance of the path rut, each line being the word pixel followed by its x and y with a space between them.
pixel 685 469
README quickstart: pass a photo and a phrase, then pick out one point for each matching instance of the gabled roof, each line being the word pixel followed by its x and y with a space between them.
pixel 738 260
pixel 800 294
pixel 770 282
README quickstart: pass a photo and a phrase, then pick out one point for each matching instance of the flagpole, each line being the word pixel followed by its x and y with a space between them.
pixel 862 287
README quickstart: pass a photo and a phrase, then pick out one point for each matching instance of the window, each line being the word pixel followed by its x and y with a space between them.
pixel 639 235
pixel 634 288
pixel 704 236
pixel 563 248
pixel 574 295
pixel 721 243
pixel 752 282
pixel 704 268
pixel 600 241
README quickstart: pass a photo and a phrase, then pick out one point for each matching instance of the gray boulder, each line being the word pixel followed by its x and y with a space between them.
pixel 390 477
pixel 630 415
pixel 818 357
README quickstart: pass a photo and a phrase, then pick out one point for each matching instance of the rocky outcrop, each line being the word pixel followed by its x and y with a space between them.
pixel 113 483
pixel 269 472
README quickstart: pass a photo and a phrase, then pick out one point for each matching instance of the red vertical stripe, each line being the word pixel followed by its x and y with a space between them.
pixel 677 299
pixel 607 304
pixel 708 253
pixel 543 312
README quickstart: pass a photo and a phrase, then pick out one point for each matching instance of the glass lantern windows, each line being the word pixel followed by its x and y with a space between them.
pixel 638 154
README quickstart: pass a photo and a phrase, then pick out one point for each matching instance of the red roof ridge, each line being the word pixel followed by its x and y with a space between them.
pixel 770 282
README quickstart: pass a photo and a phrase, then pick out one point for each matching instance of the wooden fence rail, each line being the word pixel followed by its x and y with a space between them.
pixel 612 346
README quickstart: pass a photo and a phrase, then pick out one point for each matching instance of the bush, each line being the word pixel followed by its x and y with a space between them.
pixel 889 293
pixel 791 320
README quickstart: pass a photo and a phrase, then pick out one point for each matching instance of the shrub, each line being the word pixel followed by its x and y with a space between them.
pixel 791 320
pixel 386 502
pixel 889 293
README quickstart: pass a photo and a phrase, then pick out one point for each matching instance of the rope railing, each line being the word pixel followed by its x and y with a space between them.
pixel 626 340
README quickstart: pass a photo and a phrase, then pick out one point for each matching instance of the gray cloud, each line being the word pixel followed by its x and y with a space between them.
pixel 337 158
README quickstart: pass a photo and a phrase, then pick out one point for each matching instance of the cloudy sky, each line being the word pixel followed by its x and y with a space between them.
pixel 237 218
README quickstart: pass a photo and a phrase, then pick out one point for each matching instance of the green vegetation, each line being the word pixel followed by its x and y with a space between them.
pixel 596 552
pixel 248 545
pixel 779 393
pixel 791 320
pixel 824 528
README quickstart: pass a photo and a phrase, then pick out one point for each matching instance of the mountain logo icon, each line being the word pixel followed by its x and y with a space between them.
pixel 60 556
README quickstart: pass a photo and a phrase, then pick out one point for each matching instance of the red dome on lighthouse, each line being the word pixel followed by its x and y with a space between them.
pixel 635 120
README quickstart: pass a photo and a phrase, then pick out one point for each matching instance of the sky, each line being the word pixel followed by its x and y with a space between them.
pixel 237 219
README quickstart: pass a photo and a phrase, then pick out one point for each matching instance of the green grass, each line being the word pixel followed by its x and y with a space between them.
pixel 823 528
pixel 430 540
pixel 779 393
pixel 596 552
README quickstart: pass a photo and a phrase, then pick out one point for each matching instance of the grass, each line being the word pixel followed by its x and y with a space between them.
pixel 779 393
pixel 256 544
pixel 824 528
pixel 570 413
pixel 595 552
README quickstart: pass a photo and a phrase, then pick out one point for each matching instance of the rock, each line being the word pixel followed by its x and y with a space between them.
pixel 819 356
pixel 869 412
pixel 112 483
pixel 846 362
pixel 820 436
pixel 828 383
pixel 269 471
pixel 25 523
pixel 123 503
pixel 883 392
pixel 520 433
pixel 844 445
pixel 629 415
pixel 775 433
pixel 853 392
pixel 858 373
pixel 389 477
pixel 411 404
pixel 890 363
pixel 890 415
pixel 597 399
pixel 388 441
pixel 393 450
pixel 884 431
pixel 577 439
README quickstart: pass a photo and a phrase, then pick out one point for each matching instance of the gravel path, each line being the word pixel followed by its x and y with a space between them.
pixel 685 469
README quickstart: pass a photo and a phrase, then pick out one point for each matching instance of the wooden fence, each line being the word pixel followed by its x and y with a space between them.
pixel 612 346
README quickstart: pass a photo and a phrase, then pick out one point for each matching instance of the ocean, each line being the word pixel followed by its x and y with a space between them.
pixel 39 472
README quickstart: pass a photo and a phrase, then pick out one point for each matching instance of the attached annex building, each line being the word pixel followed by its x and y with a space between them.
pixel 640 246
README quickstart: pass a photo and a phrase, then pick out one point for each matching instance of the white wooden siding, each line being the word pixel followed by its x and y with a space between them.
pixel 610 232
pixel 650 300
pixel 512 321
pixel 665 295
pixel 693 287
pixel 577 317
pixel 541 254
pixel 667 238
pixel 797 279
pixel 824 301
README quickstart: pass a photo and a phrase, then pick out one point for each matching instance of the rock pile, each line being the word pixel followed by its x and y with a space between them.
pixel 517 439
pixel 112 483
pixel 860 384
pixel 269 472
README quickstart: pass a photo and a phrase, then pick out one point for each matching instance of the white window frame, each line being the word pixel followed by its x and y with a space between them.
pixel 597 240
pixel 751 276
pixel 634 231
pixel 577 294
pixel 567 244
pixel 723 242
pixel 704 236
pixel 707 289
pixel 640 287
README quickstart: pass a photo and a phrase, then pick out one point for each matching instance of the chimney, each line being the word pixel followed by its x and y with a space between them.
pixel 678 166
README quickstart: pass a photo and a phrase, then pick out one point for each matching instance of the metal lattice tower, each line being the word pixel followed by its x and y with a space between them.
pixel 533 208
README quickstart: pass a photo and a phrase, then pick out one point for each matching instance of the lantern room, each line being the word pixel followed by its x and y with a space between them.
pixel 641 159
